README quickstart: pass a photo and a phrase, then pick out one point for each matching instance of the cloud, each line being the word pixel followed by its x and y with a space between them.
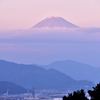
pixel 45 46
pixel 51 35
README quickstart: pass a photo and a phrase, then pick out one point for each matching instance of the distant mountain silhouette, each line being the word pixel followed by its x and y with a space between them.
pixel 11 87
pixel 53 22
pixel 78 71
pixel 32 76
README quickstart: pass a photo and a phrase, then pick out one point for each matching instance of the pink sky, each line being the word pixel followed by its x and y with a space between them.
pixel 23 14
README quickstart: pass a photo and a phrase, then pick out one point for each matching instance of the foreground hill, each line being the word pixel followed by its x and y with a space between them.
pixel 78 71
pixel 11 87
pixel 32 76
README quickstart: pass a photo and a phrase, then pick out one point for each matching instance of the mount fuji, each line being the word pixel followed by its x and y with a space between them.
pixel 54 22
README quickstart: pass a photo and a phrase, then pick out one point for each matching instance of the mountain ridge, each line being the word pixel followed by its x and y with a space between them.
pixel 77 70
pixel 30 76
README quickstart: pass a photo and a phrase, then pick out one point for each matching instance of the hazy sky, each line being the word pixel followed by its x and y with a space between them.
pixel 47 46
pixel 23 14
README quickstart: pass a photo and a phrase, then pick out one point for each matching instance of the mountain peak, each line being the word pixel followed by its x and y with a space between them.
pixel 54 22
pixel 51 17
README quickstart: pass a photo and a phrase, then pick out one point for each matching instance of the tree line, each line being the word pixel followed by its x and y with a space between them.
pixel 80 94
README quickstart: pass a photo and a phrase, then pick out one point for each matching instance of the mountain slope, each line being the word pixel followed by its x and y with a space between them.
pixel 32 76
pixel 53 22
pixel 78 71
pixel 13 88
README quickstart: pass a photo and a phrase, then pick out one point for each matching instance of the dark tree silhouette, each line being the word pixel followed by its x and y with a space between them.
pixel 77 95
pixel 95 94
